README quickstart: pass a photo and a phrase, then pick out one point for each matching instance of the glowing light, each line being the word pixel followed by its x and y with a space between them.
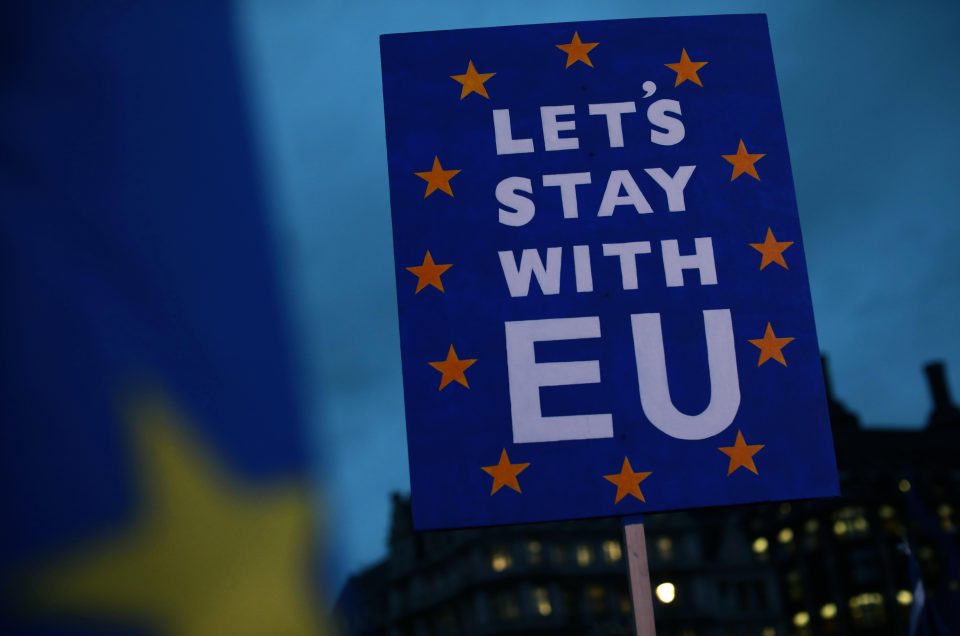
pixel 840 528
pixel 828 611
pixel 887 512
pixel 666 592
pixel 867 598
pixel 801 619
pixel 541 598
pixel 785 536
pixel 904 485
pixel 584 555
pixel 665 547
pixel 612 551
pixel 500 560
pixel 760 545
pixel 904 597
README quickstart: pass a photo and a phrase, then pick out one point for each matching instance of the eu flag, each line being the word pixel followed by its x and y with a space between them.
pixel 152 454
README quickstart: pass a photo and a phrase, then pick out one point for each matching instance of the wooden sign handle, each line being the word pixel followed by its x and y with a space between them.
pixel 640 590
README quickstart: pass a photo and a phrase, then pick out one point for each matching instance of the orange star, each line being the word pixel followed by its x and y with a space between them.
pixel 771 347
pixel 686 69
pixel 437 178
pixel 772 250
pixel 577 51
pixel 743 162
pixel 741 455
pixel 472 82
pixel 452 369
pixel 627 482
pixel 428 273
pixel 504 473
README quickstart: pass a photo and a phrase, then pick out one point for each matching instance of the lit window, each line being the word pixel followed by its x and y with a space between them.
pixel 760 545
pixel 534 552
pixel 612 552
pixel 801 619
pixel 828 611
pixel 665 548
pixel 541 600
pixel 904 597
pixel 866 599
pixel 584 555
pixel 944 510
pixel 785 536
pixel 500 560
pixel 666 592
pixel 904 485
pixel 811 526
pixel 850 521
pixel 626 606
pixel 867 610
pixel 887 512
pixel 769 631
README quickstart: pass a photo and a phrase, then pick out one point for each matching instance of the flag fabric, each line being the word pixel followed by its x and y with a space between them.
pixel 925 619
pixel 603 300
pixel 152 454
pixel 935 610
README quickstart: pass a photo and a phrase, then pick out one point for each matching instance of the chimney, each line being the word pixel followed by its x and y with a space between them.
pixel 841 418
pixel 945 412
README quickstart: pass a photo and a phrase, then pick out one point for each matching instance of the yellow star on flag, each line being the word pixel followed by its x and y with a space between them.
pixel 206 553
pixel 504 473
pixel 627 482
pixel 686 69
pixel 743 162
pixel 428 273
pixel 452 369
pixel 741 455
pixel 772 250
pixel 437 178
pixel 472 81
pixel 578 51
pixel 771 347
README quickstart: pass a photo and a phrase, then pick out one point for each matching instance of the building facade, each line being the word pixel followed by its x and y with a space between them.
pixel 800 568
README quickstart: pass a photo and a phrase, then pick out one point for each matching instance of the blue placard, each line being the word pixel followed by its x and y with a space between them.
pixel 604 306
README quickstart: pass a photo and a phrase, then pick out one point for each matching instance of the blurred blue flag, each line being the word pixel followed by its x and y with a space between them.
pixel 152 453
pixel 934 610
pixel 925 620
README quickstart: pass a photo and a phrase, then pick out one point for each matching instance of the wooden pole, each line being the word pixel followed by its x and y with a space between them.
pixel 640 591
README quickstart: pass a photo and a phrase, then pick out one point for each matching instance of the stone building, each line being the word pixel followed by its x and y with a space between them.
pixel 801 568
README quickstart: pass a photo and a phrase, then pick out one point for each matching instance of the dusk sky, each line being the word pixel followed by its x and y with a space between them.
pixel 870 96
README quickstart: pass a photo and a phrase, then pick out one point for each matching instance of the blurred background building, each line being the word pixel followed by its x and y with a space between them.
pixel 837 566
